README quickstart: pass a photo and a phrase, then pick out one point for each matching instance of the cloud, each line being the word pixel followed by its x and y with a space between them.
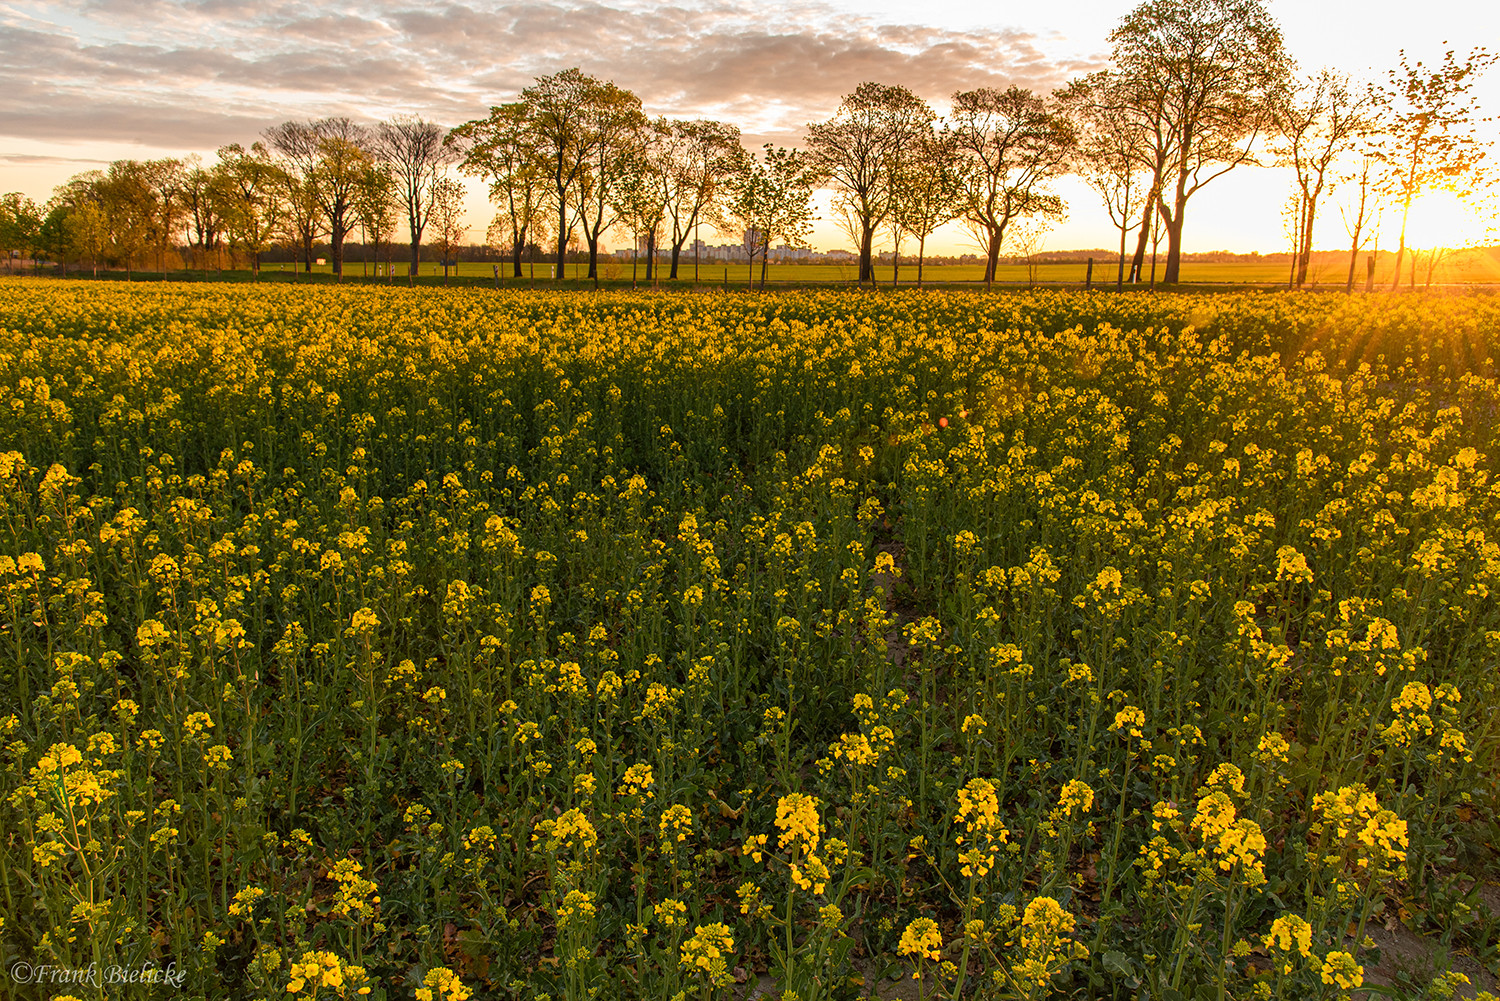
pixel 48 160
pixel 194 74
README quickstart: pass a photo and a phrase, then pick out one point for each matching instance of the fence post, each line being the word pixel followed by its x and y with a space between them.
pixel 1088 278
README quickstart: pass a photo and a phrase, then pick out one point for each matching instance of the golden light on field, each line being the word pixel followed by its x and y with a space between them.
pixel 1440 219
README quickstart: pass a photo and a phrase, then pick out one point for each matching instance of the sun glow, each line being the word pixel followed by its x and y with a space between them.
pixel 1440 219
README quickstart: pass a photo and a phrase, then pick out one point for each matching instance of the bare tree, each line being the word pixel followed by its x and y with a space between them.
pixel 1014 144
pixel 1320 121
pixel 296 144
pixel 1201 78
pixel 167 182
pixel 209 200
pixel 858 151
pixel 329 157
pixel 447 200
pixel 1426 120
pixel 1360 215
pixel 416 154
pixel 1113 158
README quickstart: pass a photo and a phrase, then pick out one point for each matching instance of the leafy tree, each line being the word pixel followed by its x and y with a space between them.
pixel 929 186
pixel 771 199
pixel 612 125
pixel 52 234
pixel 1426 139
pixel 641 197
pixel 256 208
pixel 416 154
pixel 503 150
pixel 378 202
pixel 1319 121
pixel 128 202
pixel 85 225
pixel 1200 78
pixel 20 223
pixel 698 159
pixel 1014 144
pixel 557 118
pixel 860 150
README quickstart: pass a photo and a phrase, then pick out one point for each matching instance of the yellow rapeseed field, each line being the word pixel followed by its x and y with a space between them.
pixel 448 644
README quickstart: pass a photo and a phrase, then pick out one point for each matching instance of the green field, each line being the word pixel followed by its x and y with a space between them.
pixel 1463 269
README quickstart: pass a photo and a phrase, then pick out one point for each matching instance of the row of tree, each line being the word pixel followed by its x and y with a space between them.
pixel 302 182
pixel 1195 89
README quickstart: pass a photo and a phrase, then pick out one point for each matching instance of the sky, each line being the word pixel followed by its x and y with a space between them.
pixel 90 81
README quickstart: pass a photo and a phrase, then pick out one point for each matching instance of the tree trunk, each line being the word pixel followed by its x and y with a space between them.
pixel 1305 256
pixel 676 255
pixel 1120 274
pixel 562 235
pixel 651 255
pixel 1401 246
pixel 1174 249
pixel 921 253
pixel 415 267
pixel 866 249
pixel 992 256
pixel 1138 261
pixel 307 244
pixel 338 234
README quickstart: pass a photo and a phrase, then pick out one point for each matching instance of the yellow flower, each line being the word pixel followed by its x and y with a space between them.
pixel 442 984
pixel 708 950
pixel 669 912
pixel 676 823
pixel 1340 970
pixel 637 781
pixel 922 940
pixel 797 819
pixel 1076 795
pixel 1129 721
pixel 1290 932
pixel 576 905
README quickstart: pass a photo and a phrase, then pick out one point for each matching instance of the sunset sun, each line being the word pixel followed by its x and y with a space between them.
pixel 1441 219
